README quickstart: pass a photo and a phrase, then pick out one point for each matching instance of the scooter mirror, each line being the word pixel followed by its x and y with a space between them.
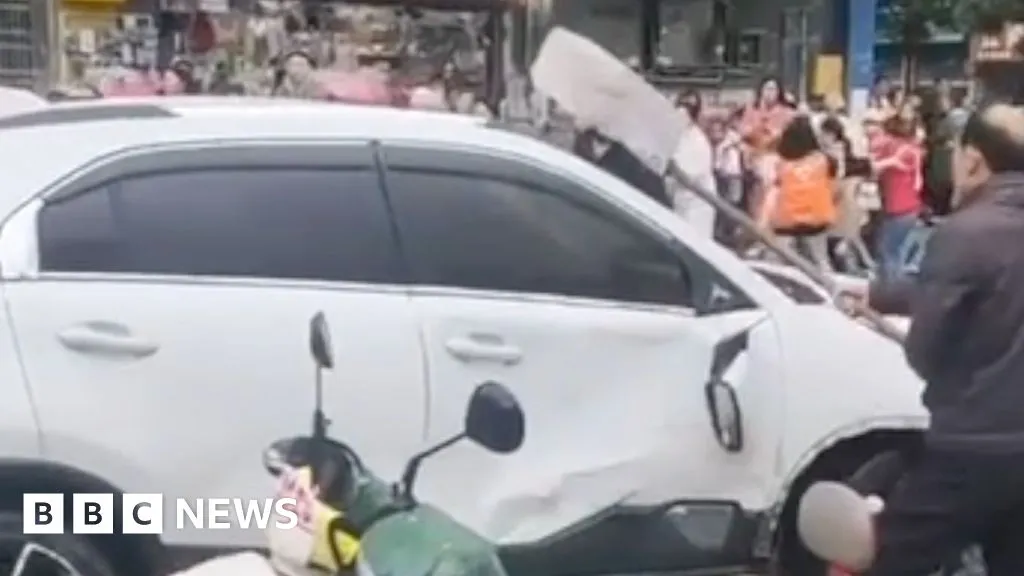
pixel 837 524
pixel 495 419
pixel 320 341
pixel 273 461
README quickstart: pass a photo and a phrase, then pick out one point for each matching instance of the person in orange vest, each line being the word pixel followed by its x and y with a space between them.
pixel 800 207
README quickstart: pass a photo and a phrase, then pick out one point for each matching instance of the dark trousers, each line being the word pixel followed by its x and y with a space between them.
pixel 948 501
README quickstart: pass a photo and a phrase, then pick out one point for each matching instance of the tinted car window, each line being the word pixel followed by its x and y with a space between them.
pixel 799 292
pixel 272 223
pixel 485 233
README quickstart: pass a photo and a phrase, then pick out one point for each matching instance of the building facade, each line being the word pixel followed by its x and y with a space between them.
pixel 27 33
pixel 729 44
pixel 945 54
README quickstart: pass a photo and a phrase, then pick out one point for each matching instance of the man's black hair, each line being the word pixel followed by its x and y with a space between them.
pixel 994 133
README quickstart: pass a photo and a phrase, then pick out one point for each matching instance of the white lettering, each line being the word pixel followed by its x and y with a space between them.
pixel 260 510
pixel 225 513
pixel 195 515
pixel 285 507
pixel 219 513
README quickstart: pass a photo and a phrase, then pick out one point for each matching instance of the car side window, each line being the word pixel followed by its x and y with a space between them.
pixel 303 223
pixel 482 232
pixel 798 291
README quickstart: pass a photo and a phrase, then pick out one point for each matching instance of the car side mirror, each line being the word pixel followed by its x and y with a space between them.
pixel 726 418
pixel 495 419
pixel 320 341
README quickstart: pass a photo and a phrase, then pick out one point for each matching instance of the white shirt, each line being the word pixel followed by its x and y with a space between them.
pixel 728 157
pixel 695 157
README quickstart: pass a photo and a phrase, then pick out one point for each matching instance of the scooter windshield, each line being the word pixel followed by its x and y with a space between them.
pixel 431 544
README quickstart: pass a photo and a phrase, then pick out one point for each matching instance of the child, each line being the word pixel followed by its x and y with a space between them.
pixel 728 167
pixel 800 207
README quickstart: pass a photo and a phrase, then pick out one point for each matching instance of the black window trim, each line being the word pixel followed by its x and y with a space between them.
pixel 56 116
pixel 488 164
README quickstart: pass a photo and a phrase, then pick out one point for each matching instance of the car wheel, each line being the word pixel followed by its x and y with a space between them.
pixel 49 554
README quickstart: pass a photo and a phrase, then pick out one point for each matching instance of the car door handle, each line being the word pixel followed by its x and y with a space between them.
pixel 105 339
pixel 478 347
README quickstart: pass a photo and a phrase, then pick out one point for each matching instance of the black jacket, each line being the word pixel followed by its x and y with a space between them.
pixel 619 161
pixel 967 309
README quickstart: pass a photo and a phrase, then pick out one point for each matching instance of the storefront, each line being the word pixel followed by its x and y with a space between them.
pixel 26 33
pixel 711 44
pixel 997 62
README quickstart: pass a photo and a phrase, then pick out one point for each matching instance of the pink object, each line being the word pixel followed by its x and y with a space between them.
pixel 763 126
pixel 137 83
pixel 359 87
pixel 427 98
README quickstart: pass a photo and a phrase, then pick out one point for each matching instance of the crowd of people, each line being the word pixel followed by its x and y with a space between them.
pixel 806 175
pixel 847 193
pixel 354 53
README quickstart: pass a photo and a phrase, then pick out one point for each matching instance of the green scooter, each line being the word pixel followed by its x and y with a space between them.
pixel 353 519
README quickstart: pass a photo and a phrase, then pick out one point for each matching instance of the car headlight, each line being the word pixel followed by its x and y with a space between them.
pixel 363 567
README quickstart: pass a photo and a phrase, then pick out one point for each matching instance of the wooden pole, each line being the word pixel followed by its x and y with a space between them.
pixel 740 218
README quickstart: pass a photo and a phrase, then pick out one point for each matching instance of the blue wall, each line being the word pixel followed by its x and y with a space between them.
pixel 860 45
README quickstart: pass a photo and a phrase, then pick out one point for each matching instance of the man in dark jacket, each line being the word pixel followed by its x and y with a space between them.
pixel 618 160
pixel 966 341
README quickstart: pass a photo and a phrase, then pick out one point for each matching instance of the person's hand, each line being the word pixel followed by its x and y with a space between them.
pixel 852 301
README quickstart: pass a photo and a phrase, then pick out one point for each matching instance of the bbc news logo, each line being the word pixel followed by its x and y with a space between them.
pixel 144 513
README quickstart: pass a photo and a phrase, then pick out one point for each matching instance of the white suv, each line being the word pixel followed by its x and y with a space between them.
pixel 160 259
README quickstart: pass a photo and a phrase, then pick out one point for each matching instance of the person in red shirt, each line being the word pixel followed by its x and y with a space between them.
pixel 898 162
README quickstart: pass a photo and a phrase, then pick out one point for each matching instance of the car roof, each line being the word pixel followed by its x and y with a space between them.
pixel 43 145
pixel 178 111
pixel 14 101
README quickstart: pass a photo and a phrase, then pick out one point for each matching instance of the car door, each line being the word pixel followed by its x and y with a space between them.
pixel 19 431
pixel 162 318
pixel 591 318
